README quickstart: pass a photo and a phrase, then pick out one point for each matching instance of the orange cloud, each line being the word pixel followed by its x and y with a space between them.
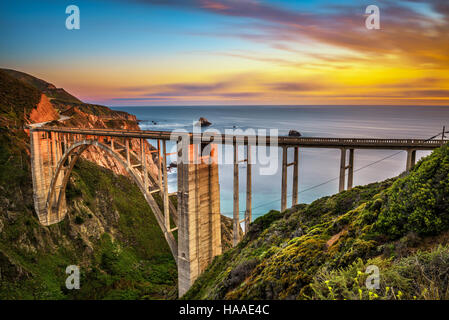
pixel 207 4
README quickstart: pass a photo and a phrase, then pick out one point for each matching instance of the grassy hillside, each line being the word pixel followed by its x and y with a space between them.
pixel 322 250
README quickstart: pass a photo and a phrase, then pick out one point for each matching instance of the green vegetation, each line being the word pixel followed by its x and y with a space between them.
pixel 113 237
pixel 419 202
pixel 16 101
pixel 422 275
pixel 322 250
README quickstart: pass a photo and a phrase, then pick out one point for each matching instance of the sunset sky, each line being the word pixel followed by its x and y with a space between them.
pixel 217 52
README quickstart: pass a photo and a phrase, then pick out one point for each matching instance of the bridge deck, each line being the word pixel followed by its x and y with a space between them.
pixel 305 142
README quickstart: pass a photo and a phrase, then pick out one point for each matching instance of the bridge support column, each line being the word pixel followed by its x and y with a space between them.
pixel 295 177
pixel 199 220
pixel 341 186
pixel 248 211
pixel 159 160
pixel 65 143
pixel 284 179
pixel 128 159
pixel 295 184
pixel 165 187
pixel 351 169
pixel 54 156
pixel 41 172
pixel 45 155
pixel 143 159
pixel 236 200
pixel 411 159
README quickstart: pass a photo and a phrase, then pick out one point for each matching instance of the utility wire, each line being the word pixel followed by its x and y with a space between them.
pixel 331 180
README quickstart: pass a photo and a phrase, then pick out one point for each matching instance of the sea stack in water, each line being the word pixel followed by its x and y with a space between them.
pixel 203 122
pixel 173 164
pixel 294 133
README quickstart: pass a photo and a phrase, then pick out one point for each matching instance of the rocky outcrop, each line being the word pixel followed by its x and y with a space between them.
pixel 172 165
pixel 44 111
pixel 294 133
pixel 203 122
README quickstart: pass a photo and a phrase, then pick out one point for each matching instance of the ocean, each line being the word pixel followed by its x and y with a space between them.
pixel 316 166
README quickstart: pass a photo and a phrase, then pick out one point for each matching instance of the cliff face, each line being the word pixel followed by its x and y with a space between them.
pixel 44 111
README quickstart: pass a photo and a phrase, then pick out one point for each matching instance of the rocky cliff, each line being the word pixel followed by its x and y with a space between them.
pixel 44 111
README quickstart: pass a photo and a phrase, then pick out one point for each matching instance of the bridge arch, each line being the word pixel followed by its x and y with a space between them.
pixel 55 203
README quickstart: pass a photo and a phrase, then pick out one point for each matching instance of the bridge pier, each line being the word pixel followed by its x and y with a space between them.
pixel 199 228
pixel 236 194
pixel 351 169
pixel 143 157
pixel 284 179
pixel 248 211
pixel 46 152
pixel 295 177
pixel 165 187
pixel 341 185
pixel 236 199
pixel 295 185
pixel 128 158
pixel 411 159
pixel 344 167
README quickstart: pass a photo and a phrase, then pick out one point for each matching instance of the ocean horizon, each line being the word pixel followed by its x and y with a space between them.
pixel 316 166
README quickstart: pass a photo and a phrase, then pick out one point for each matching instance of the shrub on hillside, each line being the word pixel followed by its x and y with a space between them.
pixel 423 275
pixel 418 202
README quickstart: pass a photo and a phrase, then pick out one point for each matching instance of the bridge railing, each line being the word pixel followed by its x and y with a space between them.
pixel 258 140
